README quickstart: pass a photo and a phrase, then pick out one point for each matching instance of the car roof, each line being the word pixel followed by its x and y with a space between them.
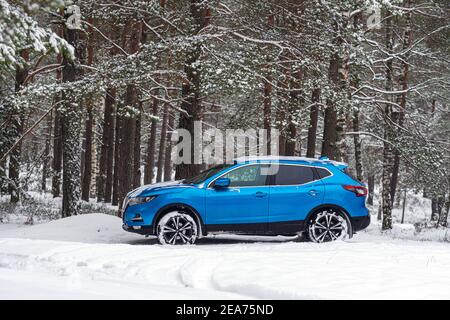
pixel 340 165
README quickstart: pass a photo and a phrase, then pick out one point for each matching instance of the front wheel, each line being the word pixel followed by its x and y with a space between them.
pixel 327 225
pixel 177 228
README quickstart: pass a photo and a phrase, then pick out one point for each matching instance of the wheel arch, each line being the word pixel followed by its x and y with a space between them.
pixel 179 206
pixel 335 207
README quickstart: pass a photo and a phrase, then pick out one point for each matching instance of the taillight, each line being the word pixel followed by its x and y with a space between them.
pixel 359 191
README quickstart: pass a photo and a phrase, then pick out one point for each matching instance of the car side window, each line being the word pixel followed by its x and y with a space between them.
pixel 322 173
pixel 247 176
pixel 293 175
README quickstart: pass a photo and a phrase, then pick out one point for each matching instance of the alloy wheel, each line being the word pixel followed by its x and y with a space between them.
pixel 177 228
pixel 327 226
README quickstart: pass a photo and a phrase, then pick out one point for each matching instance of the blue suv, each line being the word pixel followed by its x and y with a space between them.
pixel 258 196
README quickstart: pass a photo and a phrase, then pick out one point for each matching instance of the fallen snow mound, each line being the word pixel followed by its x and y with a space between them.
pixel 87 228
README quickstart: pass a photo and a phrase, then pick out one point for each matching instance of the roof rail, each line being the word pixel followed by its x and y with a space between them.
pixel 340 165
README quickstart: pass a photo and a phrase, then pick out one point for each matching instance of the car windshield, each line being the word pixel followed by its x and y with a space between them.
pixel 208 173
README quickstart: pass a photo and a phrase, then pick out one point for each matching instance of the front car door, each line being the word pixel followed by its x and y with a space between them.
pixel 243 206
pixel 295 190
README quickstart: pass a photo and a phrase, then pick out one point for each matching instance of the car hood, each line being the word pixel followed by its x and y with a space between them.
pixel 151 188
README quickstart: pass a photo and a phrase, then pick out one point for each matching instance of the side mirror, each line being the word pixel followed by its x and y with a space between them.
pixel 222 183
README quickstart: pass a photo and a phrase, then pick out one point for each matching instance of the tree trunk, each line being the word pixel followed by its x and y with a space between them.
pixel 282 144
pixel 151 145
pixel 267 113
pixel 443 217
pixel 115 185
pixel 371 187
pixel 312 129
pixel 71 120
pixel 57 151
pixel 117 134
pixel 291 137
pixel 17 129
pixel 357 144
pixel 167 157
pixel 137 151
pixel 334 142
pixel 341 147
pixel 3 178
pixel 440 206
pixel 127 129
pixel 388 155
pixel 295 104
pixel 87 172
pixel 127 123
pixel 380 209
pixel 192 107
pixel 162 144
pixel 386 177
pixel 434 209
pixel 46 156
pixel 107 177
pixel 57 140
pixel 281 123
pixel 104 179
pixel 291 142
pixel 190 92
pixel 14 161
pixel 395 171
pixel 330 135
pixel 329 132
pixel 400 114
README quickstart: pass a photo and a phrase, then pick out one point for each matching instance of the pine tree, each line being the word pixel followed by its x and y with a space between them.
pixel 71 115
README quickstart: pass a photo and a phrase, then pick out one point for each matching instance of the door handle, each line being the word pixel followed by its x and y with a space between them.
pixel 260 194
pixel 313 193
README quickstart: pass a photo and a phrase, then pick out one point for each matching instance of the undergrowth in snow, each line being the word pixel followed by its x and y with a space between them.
pixel 42 207
pixel 409 231
pixel 417 220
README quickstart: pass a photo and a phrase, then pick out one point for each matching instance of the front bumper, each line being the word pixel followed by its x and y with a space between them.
pixel 360 223
pixel 145 230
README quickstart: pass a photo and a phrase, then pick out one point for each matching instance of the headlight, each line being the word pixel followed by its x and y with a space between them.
pixel 140 200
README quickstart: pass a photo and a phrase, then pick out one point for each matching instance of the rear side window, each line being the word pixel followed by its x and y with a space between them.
pixel 322 173
pixel 293 175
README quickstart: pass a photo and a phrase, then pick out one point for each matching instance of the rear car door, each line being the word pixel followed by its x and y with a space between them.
pixel 295 190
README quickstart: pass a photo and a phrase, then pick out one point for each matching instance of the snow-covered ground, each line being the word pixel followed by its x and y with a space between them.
pixel 89 256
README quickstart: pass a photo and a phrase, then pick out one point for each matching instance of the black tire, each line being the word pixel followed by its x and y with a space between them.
pixel 327 225
pixel 177 227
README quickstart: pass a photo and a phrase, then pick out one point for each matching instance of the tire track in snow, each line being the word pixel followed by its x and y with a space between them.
pixel 208 273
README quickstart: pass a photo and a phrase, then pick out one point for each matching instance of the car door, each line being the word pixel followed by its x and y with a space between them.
pixel 294 192
pixel 243 206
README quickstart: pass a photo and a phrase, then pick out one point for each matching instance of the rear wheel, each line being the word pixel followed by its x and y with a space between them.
pixel 327 225
pixel 177 228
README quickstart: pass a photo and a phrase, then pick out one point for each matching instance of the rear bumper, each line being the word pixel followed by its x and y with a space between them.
pixel 360 223
pixel 145 230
